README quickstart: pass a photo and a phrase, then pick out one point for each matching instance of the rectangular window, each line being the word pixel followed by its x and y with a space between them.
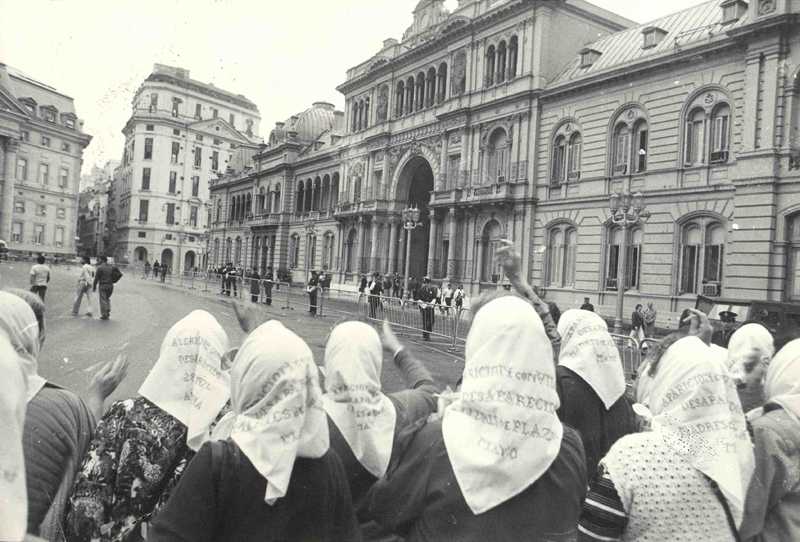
pixel 215 161
pixel 613 267
pixel 641 150
pixel 22 169
pixel 193 216
pixel 41 210
pixel 176 149
pixel 143 210
pixel 198 111
pixel 142 234
pixel 69 122
pixel 44 173
pixel 50 115
pixel 574 161
pixel 622 144
pixel 217 141
pixel 153 103
pixel 712 266
pixel 176 132
pixel 689 269
pixel 170 213
pixel 19 205
pixel 61 212
pixel 148 148
pixel 198 137
pixel 173 181
pixel 59 236
pixel 195 186
pixel 175 102
pixel 695 136
pixel 45 141
pixel 149 127
pixel 65 146
pixel 453 165
pixel 146 178
pixel 231 119
pixel 16 232
pixel 38 234
pixel 198 157
pixel 63 178
pixel 632 271
pixel 214 112
pixel 25 135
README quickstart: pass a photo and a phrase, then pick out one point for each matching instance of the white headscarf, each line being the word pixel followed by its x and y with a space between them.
pixel 502 433
pixel 277 405
pixel 588 350
pixel 188 381
pixel 782 385
pixel 353 400
pixel 696 409
pixel 748 341
pixel 19 322
pixel 13 395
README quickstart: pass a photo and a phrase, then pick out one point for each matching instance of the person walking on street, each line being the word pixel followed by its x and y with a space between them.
pixel 313 289
pixel 164 270
pixel 375 292
pixel 268 282
pixel 362 286
pixel 428 296
pixel 85 282
pixel 40 276
pixel 587 305
pixel 397 286
pixel 147 270
pixel 104 279
pixel 447 297
pixel 156 269
pixel 255 290
pixel 459 297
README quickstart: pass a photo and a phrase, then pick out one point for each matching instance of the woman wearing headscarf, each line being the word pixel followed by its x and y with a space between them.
pixel 363 421
pixel 13 395
pixel 591 384
pixel 772 509
pixel 498 465
pixel 749 352
pixel 687 478
pixel 58 424
pixel 143 444
pixel 274 477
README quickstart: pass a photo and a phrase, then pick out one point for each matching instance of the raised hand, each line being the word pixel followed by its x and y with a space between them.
pixel 104 382
pixel 699 325
pixel 391 343
pixel 509 259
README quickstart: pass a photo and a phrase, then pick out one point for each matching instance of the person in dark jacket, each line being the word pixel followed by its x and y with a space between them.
pixel 103 278
pixel 362 285
pixel 269 476
pixel 255 287
pixel 591 385
pixel 587 305
pixel 375 290
pixel 427 296
pixel 637 323
pixel 313 293
pixel 268 283
pixel 490 470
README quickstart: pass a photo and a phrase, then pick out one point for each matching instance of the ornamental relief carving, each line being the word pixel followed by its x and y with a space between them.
pixel 488 129
pixel 766 7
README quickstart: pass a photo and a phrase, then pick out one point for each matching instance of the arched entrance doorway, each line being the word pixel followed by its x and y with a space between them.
pixel 140 255
pixel 349 247
pixel 166 259
pixel 189 260
pixel 414 186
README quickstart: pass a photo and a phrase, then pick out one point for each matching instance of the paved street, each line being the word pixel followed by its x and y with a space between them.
pixel 142 312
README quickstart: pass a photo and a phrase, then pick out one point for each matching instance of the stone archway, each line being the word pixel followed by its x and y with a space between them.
pixel 166 258
pixel 414 186
pixel 189 261
pixel 140 255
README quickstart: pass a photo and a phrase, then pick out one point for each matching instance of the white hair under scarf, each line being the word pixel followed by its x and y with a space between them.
pixel 363 414
pixel 188 381
pixel 589 351
pixel 782 384
pixel 20 325
pixel 697 411
pixel 277 405
pixel 749 341
pixel 503 433
pixel 13 401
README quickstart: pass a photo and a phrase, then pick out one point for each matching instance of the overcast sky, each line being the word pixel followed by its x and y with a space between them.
pixel 283 55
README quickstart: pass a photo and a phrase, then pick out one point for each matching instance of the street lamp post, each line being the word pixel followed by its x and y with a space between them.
pixel 626 211
pixel 410 222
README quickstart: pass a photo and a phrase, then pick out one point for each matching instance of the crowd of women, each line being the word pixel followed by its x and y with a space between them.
pixel 258 442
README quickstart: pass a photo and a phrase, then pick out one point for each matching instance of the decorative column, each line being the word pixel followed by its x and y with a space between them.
pixel 441 182
pixel 362 235
pixel 7 208
pixel 451 246
pixel 391 261
pixel 431 243
pixel 373 249
pixel 479 258
pixel 401 249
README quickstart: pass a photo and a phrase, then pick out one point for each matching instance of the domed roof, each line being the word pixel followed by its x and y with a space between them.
pixel 312 122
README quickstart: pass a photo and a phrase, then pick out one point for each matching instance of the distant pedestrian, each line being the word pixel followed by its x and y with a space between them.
pixel 413 286
pixel 313 290
pixel 428 296
pixel 375 292
pixel 85 282
pixel 40 276
pixel 650 315
pixel 362 286
pixel 459 296
pixel 268 283
pixel 637 323
pixel 146 270
pixel 587 305
pixel 447 297
pixel 255 287
pixel 397 286
pixel 156 269
pixel 104 278
pixel 164 270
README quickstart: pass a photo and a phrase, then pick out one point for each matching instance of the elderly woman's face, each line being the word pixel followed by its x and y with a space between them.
pixel 749 374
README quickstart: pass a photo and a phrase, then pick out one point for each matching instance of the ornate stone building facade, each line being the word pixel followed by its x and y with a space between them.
pixel 502 120
pixel 41 144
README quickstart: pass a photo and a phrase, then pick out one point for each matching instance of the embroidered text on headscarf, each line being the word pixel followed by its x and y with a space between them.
pixel 363 414
pixel 187 381
pixel 502 433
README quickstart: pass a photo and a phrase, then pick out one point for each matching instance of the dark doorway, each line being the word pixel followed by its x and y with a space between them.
pixel 414 188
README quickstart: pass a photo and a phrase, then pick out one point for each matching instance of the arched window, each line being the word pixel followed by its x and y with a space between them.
pixel 249 205
pixel 317 194
pixel 640 136
pixel 695 137
pixel 490 64
pixel 420 98
pixel 490 242
pixel 276 207
pixel 261 201
pixel 366 114
pixel 216 252
pixel 350 251
pixel 720 133
pixel 355 116
pixel 622 147
pixel 327 250
pixel 309 195
pixel 294 250
pixel 228 246
pixel 562 244
pixel 442 86
pixel 399 99
pixel 311 251
pixel 702 252
pixel 793 259
pixel 357 190
pixel 237 255
pixel 335 190
pixel 501 62
pixel 430 92
pixel 410 94
pixel 574 156
pixel 300 196
pixel 613 256
pixel 219 210
pixel 498 156
pixel 326 193
pixel 512 57
pixel 458 76
pixel 558 167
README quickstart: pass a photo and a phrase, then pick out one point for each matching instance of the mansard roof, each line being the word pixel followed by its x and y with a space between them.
pixel 698 24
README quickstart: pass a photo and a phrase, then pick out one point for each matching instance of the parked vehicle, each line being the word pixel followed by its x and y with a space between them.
pixel 727 315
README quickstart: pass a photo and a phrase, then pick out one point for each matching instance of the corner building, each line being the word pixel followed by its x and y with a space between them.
pixel 499 121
